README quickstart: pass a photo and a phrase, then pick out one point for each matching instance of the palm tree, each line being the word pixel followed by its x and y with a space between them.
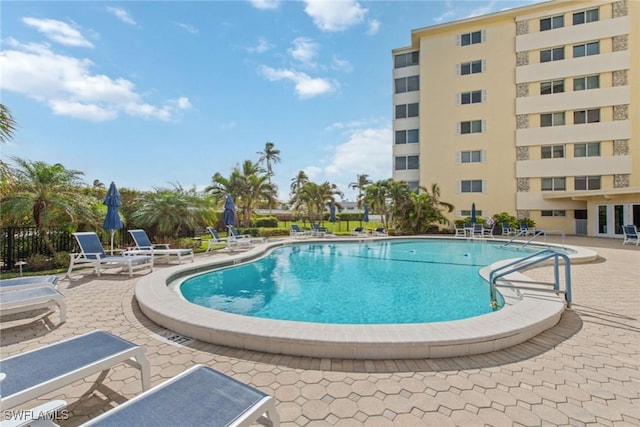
pixel 47 194
pixel 425 209
pixel 269 155
pixel 169 212
pixel 247 185
pixel 377 197
pixel 7 124
pixel 398 192
pixel 360 184
pixel 314 198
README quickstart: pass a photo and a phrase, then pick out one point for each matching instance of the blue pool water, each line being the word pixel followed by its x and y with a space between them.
pixel 381 282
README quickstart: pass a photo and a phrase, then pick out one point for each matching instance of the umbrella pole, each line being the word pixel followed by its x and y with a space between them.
pixel 112 233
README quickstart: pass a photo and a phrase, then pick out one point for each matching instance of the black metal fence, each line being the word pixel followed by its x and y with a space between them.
pixel 20 243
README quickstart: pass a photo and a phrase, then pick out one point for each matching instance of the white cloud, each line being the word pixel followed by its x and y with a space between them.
pixel 121 14
pixel 305 86
pixel 188 28
pixel 367 151
pixel 341 64
pixel 335 16
pixel 262 46
pixel 265 4
pixel 304 50
pixel 58 31
pixel 374 27
pixel 68 86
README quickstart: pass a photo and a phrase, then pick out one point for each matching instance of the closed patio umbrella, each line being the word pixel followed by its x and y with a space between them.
pixel 229 214
pixel 473 213
pixel 112 221
pixel 365 216
pixel 332 213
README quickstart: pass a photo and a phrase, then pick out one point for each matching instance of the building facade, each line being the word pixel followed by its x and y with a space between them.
pixel 532 111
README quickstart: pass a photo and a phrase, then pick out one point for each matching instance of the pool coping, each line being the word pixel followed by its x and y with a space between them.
pixel 525 315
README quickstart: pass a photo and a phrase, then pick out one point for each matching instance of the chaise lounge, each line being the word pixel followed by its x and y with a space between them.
pixel 92 253
pixel 199 396
pixel 145 247
pixel 30 375
pixel 22 300
pixel 17 283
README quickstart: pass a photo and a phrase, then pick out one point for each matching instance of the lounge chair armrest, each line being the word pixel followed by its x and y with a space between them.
pixel 160 246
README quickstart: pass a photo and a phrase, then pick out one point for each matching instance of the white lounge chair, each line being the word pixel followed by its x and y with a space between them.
pixel 28 282
pixel 215 239
pixel 630 234
pixel 297 233
pixel 360 232
pixel 37 372
pixel 237 238
pixel 199 396
pixel 380 232
pixel 28 299
pixel 93 254
pixel 145 247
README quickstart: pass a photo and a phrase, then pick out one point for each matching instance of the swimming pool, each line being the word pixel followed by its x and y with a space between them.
pixel 383 282
pixel 524 316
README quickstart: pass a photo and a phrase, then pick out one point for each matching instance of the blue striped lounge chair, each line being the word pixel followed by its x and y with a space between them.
pixel 92 254
pixel 145 247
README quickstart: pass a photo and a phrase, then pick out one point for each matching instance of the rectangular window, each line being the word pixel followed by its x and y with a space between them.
pixel 585 16
pixel 407 110
pixel 472 126
pixel 557 183
pixel 407 136
pixel 591 149
pixel 471 186
pixel 474 156
pixel 406 59
pixel 586 49
pixel 586 116
pixel 553 213
pixel 413 136
pixel 473 97
pixel 552 119
pixel 472 67
pixel 554 86
pixel 552 151
pixel 587 82
pixel 471 38
pixel 406 162
pixel 555 54
pixel 587 183
pixel 413 185
pixel 407 84
pixel 552 23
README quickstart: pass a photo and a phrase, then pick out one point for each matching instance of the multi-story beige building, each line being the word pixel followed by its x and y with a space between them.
pixel 532 111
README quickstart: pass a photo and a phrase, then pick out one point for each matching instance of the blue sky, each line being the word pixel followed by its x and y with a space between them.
pixel 150 94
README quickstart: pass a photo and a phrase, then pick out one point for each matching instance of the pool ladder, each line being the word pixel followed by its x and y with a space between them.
pixel 497 276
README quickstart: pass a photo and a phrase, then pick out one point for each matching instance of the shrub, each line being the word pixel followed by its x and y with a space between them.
pixel 501 217
pixel 265 221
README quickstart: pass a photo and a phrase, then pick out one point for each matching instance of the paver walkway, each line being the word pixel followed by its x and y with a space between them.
pixel 583 372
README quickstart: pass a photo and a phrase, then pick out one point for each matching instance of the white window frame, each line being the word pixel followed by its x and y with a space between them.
pixel 588 148
pixel 586 82
pixel 589 179
pixel 555 182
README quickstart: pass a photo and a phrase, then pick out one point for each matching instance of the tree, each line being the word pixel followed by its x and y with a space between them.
pixel 360 184
pixel 169 212
pixel 269 155
pixel 314 198
pixel 247 185
pixel 423 209
pixel 7 124
pixel 377 197
pixel 49 195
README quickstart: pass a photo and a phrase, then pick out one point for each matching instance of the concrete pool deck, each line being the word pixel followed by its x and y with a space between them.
pixel 583 371
pixel 525 315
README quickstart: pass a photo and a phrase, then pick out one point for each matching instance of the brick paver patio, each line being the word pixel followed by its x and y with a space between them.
pixel 584 371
